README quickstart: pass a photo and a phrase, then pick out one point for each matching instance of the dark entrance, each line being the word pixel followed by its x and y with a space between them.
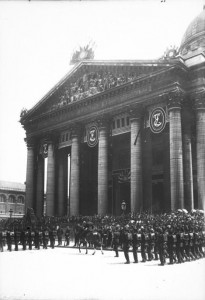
pixel 121 192
pixel 157 197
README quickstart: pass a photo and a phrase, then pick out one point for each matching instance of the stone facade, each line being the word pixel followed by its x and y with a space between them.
pixel 12 199
pixel 131 131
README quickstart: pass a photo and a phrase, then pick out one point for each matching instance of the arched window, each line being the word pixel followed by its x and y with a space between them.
pixel 20 200
pixel 11 198
pixel 2 198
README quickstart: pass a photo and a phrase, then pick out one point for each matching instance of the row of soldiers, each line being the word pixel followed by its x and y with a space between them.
pixel 178 236
pixel 32 237
pixel 178 245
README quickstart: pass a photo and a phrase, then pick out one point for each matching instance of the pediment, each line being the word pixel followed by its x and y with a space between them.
pixel 89 78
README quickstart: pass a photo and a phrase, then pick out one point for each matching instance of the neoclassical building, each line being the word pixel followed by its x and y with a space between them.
pixel 113 131
pixel 12 199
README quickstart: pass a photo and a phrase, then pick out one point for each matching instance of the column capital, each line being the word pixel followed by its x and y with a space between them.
pixel 30 142
pixel 136 112
pixel 103 122
pixel 199 100
pixel 175 99
pixel 75 129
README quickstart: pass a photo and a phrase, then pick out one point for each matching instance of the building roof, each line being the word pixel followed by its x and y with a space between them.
pixel 194 37
pixel 12 186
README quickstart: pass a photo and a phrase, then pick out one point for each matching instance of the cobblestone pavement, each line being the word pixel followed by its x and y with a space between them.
pixel 64 273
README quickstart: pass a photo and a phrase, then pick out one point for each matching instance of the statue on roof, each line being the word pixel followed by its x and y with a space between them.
pixel 83 53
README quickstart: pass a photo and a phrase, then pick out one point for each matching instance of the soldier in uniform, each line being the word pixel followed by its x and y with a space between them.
pixel 191 243
pixel 31 237
pixel 60 235
pixel 4 237
pixel 67 236
pixel 162 240
pixel 126 240
pixel 151 242
pixel 45 238
pixel 187 244
pixel 170 245
pixel 144 240
pixel 179 245
pixel 8 240
pixel 116 239
pixel 37 239
pixel 53 234
pixel 136 242
pixel 23 238
pixel 1 241
pixel 17 235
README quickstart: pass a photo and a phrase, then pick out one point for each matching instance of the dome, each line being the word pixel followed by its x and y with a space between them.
pixel 194 38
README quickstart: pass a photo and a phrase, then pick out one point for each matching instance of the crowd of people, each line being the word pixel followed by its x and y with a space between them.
pixel 177 236
pixel 91 84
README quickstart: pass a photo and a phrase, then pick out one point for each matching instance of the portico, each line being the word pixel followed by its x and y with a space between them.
pixel 116 131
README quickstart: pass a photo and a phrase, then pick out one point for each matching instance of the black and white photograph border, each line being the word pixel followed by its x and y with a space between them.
pixel 116 213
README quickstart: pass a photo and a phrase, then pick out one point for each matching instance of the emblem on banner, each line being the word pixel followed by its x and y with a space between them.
pixel 44 150
pixel 157 120
pixel 92 136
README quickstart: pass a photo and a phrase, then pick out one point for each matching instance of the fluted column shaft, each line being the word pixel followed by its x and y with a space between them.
pixel 40 187
pixel 136 164
pixel 61 185
pixel 188 169
pixel 200 149
pixel 176 155
pixel 103 170
pixel 50 192
pixel 30 185
pixel 75 174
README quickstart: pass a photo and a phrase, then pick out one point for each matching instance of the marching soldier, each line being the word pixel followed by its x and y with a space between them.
pixel 53 234
pixel 4 237
pixel 116 239
pixel 191 243
pixel 144 241
pixel 162 240
pixel 67 236
pixel 126 240
pixel 187 244
pixel 170 245
pixel 45 238
pixel 17 235
pixel 60 235
pixel 1 242
pixel 23 238
pixel 151 242
pixel 37 239
pixel 179 245
pixel 8 240
pixel 136 243
pixel 31 238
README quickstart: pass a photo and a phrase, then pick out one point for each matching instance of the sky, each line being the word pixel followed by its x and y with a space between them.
pixel 37 40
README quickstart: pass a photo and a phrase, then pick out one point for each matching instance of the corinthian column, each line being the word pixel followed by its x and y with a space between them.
pixel 40 187
pixel 30 174
pixel 200 149
pixel 75 173
pixel 103 169
pixel 50 194
pixel 176 156
pixel 136 162
pixel 188 169
pixel 62 164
